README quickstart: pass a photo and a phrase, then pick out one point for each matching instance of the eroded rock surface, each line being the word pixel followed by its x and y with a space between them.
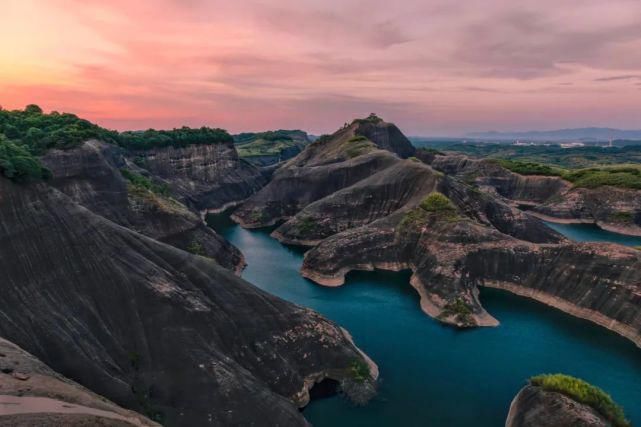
pixel 535 407
pixel 91 175
pixel 154 328
pixel 327 165
pixel 479 237
pixel 550 197
pixel 32 394
pixel 204 177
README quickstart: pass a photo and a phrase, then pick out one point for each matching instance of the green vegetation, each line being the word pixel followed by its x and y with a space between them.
pixel 359 371
pixel 143 183
pixel 624 176
pixel 196 248
pixel 179 137
pixel 429 150
pixel 437 202
pixel 18 164
pixel 530 168
pixel 637 247
pixel 624 217
pixel 270 143
pixel 460 310
pixel 551 155
pixel 38 132
pixel 435 206
pixel 306 224
pixel 616 176
pixel 358 145
pixel 257 216
pixel 414 159
pixel 583 392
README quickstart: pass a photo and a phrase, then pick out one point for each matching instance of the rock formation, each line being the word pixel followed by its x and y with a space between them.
pixel 204 177
pixel 91 175
pixel 329 164
pixel 32 394
pixel 550 197
pixel 454 223
pixel 154 328
pixel 535 407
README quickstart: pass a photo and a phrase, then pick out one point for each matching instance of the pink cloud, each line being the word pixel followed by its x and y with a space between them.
pixel 435 67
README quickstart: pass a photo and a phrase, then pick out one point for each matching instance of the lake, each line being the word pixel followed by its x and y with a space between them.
pixel 432 375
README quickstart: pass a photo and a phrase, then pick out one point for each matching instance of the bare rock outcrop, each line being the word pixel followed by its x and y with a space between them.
pixel 153 328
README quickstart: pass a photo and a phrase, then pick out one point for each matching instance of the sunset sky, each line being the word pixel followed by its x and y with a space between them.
pixel 433 67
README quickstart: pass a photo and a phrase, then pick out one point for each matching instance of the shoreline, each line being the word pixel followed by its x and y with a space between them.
pixel 617 229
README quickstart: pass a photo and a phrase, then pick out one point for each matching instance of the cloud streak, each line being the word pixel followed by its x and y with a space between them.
pixel 432 66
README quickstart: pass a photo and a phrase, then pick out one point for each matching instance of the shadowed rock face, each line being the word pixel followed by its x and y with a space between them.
pixel 403 183
pixel 380 222
pixel 612 208
pixel 535 407
pixel 204 177
pixel 329 164
pixel 451 257
pixel 90 175
pixel 154 328
pixel 32 394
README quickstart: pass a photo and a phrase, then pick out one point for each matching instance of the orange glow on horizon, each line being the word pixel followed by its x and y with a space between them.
pixel 433 67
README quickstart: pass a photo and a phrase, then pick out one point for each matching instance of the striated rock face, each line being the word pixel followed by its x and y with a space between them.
pixel 329 164
pixel 451 258
pixel 377 196
pixel 32 394
pixel 535 407
pixel 90 175
pixel 473 235
pixel 611 208
pixel 550 197
pixel 490 176
pixel 204 177
pixel 293 188
pixel 152 327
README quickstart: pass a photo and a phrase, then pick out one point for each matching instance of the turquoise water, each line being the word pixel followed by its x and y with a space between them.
pixel 433 375
pixel 592 233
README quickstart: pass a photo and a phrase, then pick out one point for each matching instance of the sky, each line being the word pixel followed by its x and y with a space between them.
pixel 434 67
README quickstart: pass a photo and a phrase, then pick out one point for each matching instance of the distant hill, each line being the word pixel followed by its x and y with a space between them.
pixel 267 148
pixel 583 134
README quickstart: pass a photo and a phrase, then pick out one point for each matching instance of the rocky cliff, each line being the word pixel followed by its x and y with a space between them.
pixel 329 164
pixel 204 177
pixel 454 223
pixel 91 174
pixel 550 197
pixel 535 407
pixel 32 394
pixel 154 328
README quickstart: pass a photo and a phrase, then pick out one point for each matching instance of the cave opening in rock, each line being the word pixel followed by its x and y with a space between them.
pixel 325 388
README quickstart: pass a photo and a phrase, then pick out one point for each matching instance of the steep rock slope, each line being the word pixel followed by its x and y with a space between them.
pixel 204 177
pixel 377 196
pixel 454 224
pixel 91 175
pixel 535 407
pixel 452 254
pixel 550 197
pixel 154 328
pixel 329 164
pixel 32 394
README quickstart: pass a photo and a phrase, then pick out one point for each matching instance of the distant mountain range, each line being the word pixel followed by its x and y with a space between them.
pixel 583 134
